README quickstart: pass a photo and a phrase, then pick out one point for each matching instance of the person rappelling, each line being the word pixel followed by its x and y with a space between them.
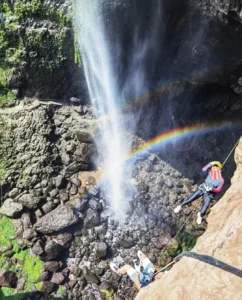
pixel 213 184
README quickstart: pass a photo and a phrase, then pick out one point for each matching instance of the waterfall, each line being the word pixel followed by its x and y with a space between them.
pixel 115 76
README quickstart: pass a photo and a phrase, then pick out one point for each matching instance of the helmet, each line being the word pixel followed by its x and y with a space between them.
pixel 217 164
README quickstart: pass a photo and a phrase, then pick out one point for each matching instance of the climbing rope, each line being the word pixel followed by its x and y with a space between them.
pixel 184 223
pixel 230 153
pixel 207 259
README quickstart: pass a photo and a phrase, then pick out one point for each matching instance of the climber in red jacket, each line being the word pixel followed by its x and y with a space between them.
pixel 213 184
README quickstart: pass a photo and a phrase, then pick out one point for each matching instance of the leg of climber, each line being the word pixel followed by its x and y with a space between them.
pixel 129 270
pixel 206 201
pixel 193 197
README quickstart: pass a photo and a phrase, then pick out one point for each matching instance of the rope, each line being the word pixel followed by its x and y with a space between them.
pixel 207 259
pixel 183 224
pixel 230 153
pixel 211 261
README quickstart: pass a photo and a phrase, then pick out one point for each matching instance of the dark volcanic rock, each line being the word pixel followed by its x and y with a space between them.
pixel 48 287
pixel 52 266
pixel 92 218
pixel 101 249
pixel 89 276
pixel 8 279
pixel 59 218
pixel 51 251
pixel 11 208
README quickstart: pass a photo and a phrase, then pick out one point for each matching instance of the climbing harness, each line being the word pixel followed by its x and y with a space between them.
pixel 230 153
pixel 207 259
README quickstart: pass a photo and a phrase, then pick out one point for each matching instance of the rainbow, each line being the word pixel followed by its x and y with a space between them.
pixel 179 134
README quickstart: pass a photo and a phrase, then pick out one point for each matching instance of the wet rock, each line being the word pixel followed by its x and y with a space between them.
pixel 48 287
pixel 59 218
pixel 57 278
pixel 76 181
pixel 90 181
pixel 52 266
pixel 84 152
pixel 89 276
pixel 126 242
pixel 92 219
pixel 142 187
pixel 11 209
pixel 95 205
pixel 100 249
pixel 75 167
pixel 73 190
pixel 28 201
pixel 8 279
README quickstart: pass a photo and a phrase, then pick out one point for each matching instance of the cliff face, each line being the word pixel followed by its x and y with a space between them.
pixel 192 279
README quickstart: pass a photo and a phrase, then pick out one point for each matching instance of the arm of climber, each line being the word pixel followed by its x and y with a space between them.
pixel 205 168
pixel 137 282
pixel 219 188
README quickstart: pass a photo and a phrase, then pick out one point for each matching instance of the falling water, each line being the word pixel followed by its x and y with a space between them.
pixel 110 82
pixel 102 85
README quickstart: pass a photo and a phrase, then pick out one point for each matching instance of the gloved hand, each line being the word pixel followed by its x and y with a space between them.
pixel 208 188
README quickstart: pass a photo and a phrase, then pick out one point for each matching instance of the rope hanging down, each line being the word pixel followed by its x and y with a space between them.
pixel 207 259
pixel 230 153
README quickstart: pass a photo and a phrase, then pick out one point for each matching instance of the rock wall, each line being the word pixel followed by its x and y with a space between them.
pixel 195 280
pixel 38 56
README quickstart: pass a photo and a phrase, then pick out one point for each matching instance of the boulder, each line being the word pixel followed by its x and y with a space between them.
pixel 100 249
pixel 89 276
pixel 57 278
pixel 8 279
pixel 51 251
pixel 61 217
pixel 29 201
pixel 11 209
pixel 48 287
pixel 63 239
pixel 92 218
pixel 52 266
pixel 38 248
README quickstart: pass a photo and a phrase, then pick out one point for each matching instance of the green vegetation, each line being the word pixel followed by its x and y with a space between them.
pixel 27 266
pixel 38 50
pixel 60 290
pixel 186 240
pixel 107 294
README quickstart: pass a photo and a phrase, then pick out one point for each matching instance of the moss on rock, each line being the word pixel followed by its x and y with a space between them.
pixel 37 49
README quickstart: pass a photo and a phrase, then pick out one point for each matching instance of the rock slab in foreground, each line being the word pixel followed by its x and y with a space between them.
pixel 61 217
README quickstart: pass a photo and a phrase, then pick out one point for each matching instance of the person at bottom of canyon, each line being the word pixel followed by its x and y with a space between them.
pixel 141 279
